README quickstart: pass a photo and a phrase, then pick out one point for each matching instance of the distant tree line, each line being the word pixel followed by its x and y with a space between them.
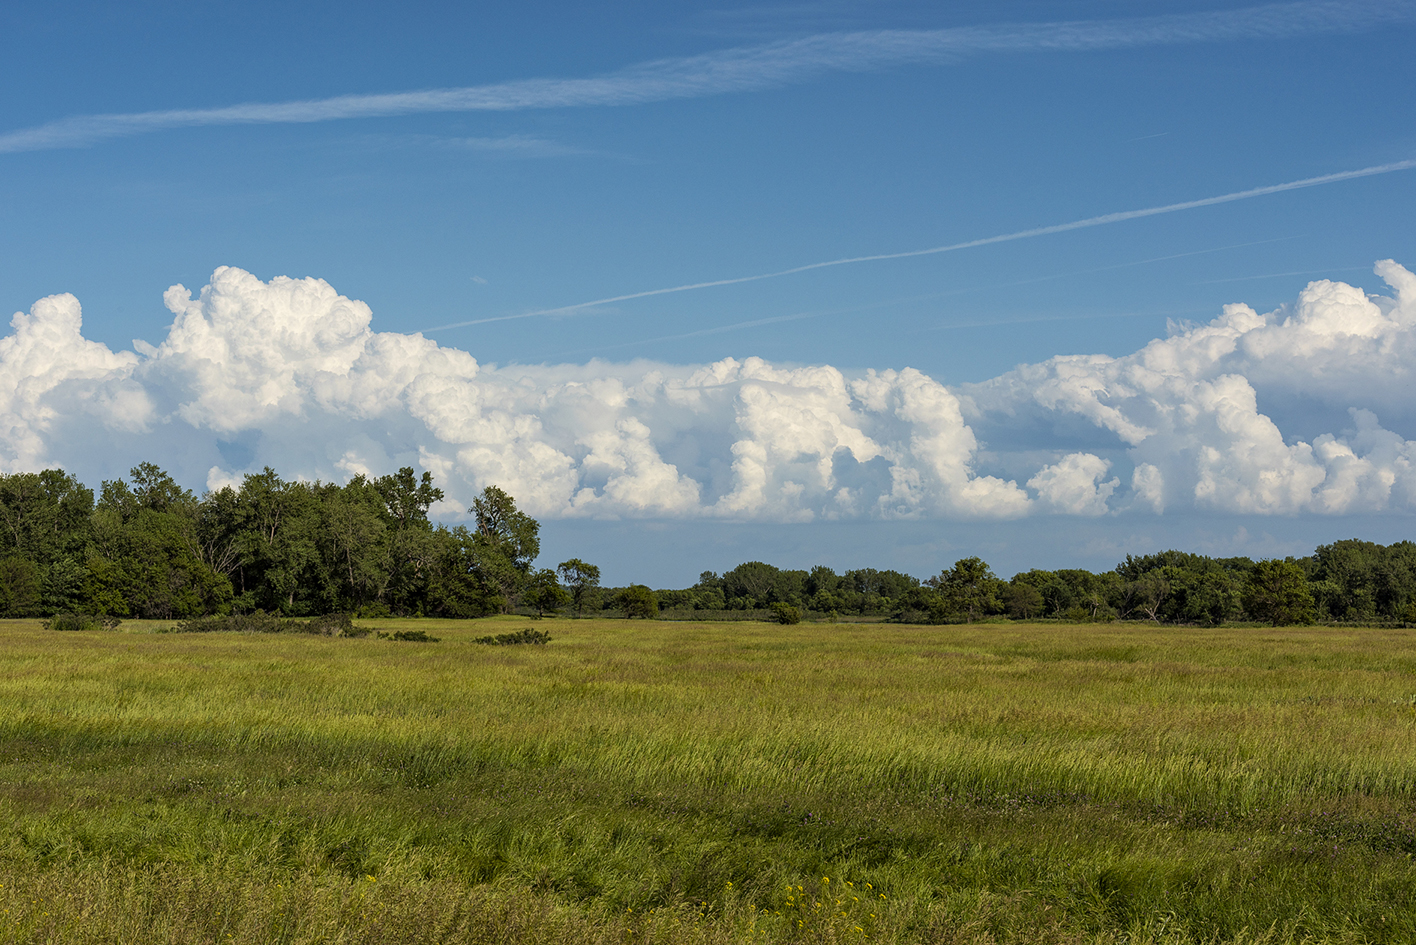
pixel 1346 581
pixel 147 548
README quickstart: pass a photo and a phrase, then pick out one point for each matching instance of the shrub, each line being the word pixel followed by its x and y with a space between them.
pixel 536 637
pixel 409 636
pixel 330 625
pixel 258 622
pixel 81 622
pixel 786 613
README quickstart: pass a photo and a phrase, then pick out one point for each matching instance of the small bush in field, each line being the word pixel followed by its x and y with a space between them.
pixel 786 613
pixel 536 637
pixel 81 622
pixel 330 625
pixel 258 622
pixel 409 636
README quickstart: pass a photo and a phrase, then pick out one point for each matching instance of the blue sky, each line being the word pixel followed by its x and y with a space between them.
pixel 611 150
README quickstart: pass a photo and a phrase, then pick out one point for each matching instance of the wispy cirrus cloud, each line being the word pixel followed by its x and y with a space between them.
pixel 505 146
pixel 1087 223
pixel 748 68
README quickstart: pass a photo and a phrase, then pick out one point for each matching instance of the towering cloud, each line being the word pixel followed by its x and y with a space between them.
pixel 289 373
pixel 1186 408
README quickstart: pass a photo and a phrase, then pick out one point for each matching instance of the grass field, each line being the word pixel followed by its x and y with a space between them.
pixel 701 782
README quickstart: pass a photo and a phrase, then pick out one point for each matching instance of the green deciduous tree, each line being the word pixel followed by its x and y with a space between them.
pixel 277 527
pixel 543 592
pixel 45 519
pixel 1277 592
pixel 1021 600
pixel 409 549
pixel 19 587
pixel 969 589
pixel 581 579
pixel 144 560
pixel 638 600
pixel 507 542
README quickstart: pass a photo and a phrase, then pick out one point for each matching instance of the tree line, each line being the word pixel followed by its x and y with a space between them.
pixel 147 548
pixel 1346 581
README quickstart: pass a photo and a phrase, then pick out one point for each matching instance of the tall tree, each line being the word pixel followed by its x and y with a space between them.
pixel 144 560
pixel 1277 592
pixel 277 525
pixel 353 541
pixel 580 580
pixel 45 518
pixel 410 549
pixel 969 588
pixel 544 593
pixel 507 542
pixel 637 600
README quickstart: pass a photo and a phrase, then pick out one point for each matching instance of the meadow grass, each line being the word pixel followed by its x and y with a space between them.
pixel 641 781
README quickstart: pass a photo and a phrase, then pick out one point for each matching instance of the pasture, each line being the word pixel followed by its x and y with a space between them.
pixel 642 781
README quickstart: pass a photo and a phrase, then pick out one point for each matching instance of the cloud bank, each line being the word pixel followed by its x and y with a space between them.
pixel 751 68
pixel 289 373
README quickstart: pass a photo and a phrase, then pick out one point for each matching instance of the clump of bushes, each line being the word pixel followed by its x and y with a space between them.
pixel 536 637
pixel 786 613
pixel 410 636
pixel 81 622
pixel 329 625
pixel 258 622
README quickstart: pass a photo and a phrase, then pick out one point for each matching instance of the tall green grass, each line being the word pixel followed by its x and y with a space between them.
pixel 677 782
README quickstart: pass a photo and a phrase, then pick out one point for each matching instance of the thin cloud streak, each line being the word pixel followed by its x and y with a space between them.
pixel 1277 275
pixel 736 326
pixel 1102 220
pixel 749 68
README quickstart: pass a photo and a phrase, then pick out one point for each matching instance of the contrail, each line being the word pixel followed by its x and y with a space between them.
pixel 1102 220
pixel 749 68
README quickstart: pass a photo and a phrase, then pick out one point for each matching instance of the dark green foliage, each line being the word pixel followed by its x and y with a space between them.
pixel 637 601
pixel 1022 601
pixel 257 622
pixel 967 591
pixel 45 519
pixel 81 622
pixel 19 587
pixel 143 560
pixel 526 636
pixel 1277 593
pixel 1178 587
pixel 756 585
pixel 150 549
pixel 410 636
pixel 582 580
pixel 1361 580
pixel 505 543
pixel 786 613
pixel 329 625
pixel 543 592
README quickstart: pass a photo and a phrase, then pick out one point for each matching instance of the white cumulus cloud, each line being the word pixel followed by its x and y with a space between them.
pixel 291 374
pixel 1186 410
